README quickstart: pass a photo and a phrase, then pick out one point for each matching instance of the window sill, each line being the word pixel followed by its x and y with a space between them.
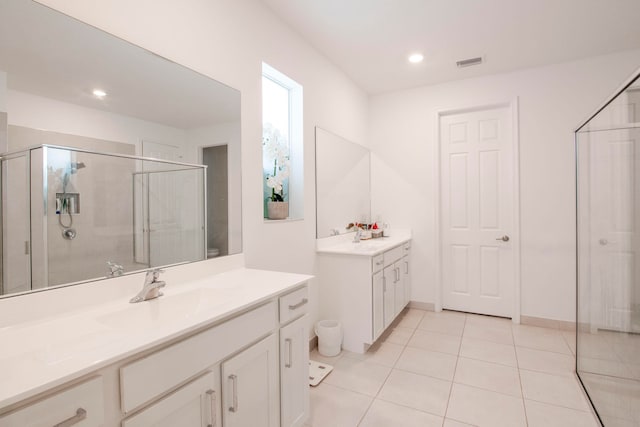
pixel 275 221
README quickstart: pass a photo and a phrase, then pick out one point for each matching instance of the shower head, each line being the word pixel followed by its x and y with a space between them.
pixel 73 167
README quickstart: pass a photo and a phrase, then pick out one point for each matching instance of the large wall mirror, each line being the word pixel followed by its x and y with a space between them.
pixel 343 187
pixel 96 184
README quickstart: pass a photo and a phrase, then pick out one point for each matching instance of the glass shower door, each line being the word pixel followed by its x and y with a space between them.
pixel 608 300
pixel 16 242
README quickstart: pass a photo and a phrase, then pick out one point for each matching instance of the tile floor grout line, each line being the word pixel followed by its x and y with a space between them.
pixel 364 415
pixel 524 404
pixel 455 368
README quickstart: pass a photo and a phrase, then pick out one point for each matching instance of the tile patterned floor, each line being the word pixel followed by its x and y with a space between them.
pixel 453 369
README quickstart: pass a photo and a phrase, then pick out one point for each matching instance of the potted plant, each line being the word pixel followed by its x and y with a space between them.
pixel 276 153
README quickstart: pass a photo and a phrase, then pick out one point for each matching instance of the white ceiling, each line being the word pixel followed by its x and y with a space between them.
pixel 371 39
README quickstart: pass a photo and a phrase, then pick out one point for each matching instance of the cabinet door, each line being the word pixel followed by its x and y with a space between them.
pixel 406 279
pixel 250 394
pixel 294 373
pixel 378 304
pixel 193 405
pixel 398 288
pixel 389 280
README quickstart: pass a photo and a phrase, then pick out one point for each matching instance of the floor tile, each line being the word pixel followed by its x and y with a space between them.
pixel 434 341
pixel 385 354
pixel 335 407
pixel 448 422
pixel 431 363
pixel 488 351
pixel 386 414
pixel 488 376
pixel 398 335
pixel 410 318
pixel 315 355
pixel 560 390
pixel 540 339
pixel 416 391
pixel 485 408
pixel 358 375
pixel 595 346
pixel 545 415
pixel 452 324
pixel 498 334
pixel 489 321
pixel 570 339
pixel 614 397
pixel 545 361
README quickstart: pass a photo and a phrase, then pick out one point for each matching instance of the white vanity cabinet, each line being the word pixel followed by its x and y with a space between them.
pixel 248 367
pixel 365 292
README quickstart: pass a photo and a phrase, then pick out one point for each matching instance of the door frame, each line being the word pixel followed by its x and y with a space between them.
pixel 512 106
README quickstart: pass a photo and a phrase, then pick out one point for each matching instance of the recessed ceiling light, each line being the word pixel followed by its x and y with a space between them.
pixel 415 58
pixel 99 93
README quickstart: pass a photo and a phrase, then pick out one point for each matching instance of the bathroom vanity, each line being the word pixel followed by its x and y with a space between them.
pixel 364 285
pixel 224 346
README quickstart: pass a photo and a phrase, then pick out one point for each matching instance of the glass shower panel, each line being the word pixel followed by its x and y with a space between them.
pixel 16 262
pixel 608 305
pixel 89 214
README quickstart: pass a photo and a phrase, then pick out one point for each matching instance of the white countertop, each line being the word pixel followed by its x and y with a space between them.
pixel 344 244
pixel 39 354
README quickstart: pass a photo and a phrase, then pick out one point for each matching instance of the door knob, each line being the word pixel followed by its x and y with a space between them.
pixel 504 238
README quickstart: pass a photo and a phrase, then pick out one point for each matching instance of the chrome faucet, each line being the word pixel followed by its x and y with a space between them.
pixel 356 238
pixel 115 269
pixel 151 287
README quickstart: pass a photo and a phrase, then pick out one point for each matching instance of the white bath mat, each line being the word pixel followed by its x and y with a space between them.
pixel 317 372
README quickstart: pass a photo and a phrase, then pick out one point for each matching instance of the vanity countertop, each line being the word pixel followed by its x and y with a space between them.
pixel 49 351
pixel 344 244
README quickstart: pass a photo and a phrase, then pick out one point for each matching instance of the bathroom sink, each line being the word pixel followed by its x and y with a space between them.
pixel 164 310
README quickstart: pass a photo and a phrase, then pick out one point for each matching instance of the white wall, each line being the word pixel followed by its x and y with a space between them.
pixel 552 101
pixel 228 40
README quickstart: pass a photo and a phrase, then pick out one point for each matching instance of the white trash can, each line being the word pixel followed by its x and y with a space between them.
pixel 329 334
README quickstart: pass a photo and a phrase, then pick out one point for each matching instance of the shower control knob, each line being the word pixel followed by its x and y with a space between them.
pixel 603 242
pixel 504 238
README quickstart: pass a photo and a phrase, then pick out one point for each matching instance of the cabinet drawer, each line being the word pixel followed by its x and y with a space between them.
pixel 377 263
pixel 163 370
pixel 80 405
pixel 392 255
pixel 294 304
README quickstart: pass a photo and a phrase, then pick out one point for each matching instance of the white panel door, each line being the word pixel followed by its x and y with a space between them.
pixel 614 207
pixel 477 205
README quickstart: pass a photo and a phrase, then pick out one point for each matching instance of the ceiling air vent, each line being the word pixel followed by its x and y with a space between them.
pixel 469 62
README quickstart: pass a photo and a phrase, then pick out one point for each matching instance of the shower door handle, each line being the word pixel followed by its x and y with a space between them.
pixel 504 238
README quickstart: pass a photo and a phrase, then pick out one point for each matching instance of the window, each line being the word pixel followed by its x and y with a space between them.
pixel 282 146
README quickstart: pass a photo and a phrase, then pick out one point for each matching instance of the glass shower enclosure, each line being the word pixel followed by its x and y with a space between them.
pixel 72 215
pixel 608 285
